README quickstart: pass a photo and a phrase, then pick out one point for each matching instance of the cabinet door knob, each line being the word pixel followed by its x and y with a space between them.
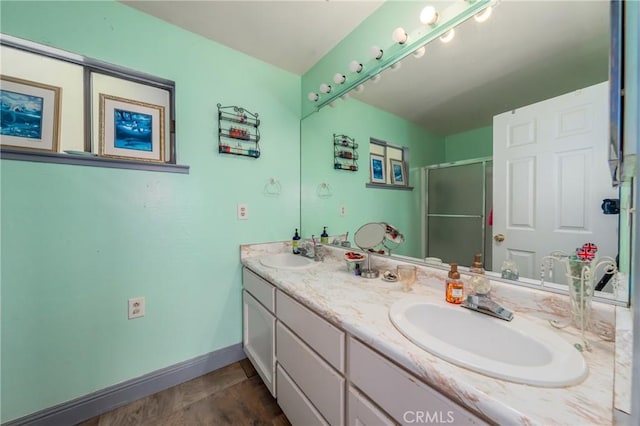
pixel 499 237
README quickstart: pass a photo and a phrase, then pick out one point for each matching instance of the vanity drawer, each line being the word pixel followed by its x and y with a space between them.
pixel 403 396
pixel 324 338
pixel 263 292
pixel 317 380
pixel 360 411
pixel 296 406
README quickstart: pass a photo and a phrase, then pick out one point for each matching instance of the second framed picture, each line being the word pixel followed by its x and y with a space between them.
pixel 131 129
pixel 377 168
pixel 398 173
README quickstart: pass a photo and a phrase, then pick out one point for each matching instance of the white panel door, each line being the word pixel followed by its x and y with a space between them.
pixel 550 177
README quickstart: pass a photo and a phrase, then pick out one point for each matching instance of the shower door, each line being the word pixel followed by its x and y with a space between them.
pixel 456 201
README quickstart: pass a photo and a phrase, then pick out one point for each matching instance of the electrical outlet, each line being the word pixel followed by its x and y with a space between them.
pixel 136 307
pixel 243 211
pixel 342 211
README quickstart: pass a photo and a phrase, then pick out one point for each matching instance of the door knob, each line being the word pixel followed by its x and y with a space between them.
pixel 499 237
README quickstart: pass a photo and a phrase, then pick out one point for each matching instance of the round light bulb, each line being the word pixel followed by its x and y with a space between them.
pixel 395 66
pixel 399 35
pixel 376 52
pixel 419 52
pixel 325 88
pixel 355 66
pixel 359 88
pixel 332 104
pixel 484 15
pixel 448 36
pixel 376 78
pixel 339 78
pixel 345 96
pixel 312 96
pixel 429 15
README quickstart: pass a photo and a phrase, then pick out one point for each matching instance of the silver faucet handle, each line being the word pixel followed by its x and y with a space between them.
pixel 485 305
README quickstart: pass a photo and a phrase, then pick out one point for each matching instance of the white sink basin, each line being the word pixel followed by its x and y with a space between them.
pixel 518 351
pixel 286 261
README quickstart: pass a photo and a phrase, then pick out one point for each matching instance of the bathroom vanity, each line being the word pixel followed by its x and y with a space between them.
pixel 321 340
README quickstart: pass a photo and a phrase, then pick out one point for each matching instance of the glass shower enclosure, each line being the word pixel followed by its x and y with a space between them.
pixel 457 200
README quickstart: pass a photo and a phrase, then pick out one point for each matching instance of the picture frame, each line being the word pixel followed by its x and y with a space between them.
pixel 30 114
pixel 378 169
pixel 398 176
pixel 131 129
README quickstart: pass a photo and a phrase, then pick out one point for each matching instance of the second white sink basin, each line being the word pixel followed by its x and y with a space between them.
pixel 518 351
pixel 286 261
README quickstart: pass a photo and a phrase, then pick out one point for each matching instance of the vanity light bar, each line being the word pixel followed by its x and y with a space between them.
pixel 445 21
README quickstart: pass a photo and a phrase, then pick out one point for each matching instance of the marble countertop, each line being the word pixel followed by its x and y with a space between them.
pixel 360 307
pixel 624 342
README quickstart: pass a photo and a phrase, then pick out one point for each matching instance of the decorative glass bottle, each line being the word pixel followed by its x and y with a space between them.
pixel 580 273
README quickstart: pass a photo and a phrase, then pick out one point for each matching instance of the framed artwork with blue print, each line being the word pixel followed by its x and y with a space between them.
pixel 131 130
pixel 30 114
pixel 398 173
pixel 377 168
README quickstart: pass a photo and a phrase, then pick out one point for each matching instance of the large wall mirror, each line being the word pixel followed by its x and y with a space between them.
pixel 527 61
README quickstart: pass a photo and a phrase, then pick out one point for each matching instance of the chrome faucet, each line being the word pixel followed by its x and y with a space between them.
pixel 484 304
pixel 312 250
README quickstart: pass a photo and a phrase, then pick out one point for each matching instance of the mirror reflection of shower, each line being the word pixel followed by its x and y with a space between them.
pixel 457 200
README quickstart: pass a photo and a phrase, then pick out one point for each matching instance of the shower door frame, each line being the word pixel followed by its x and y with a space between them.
pixel 424 217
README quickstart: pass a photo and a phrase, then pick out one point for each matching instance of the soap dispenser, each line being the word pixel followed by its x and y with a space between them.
pixel 478 284
pixel 455 287
pixel 324 237
pixel 295 241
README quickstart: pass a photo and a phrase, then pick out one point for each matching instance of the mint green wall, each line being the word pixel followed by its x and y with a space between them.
pixel 77 242
pixel 476 143
pixel 362 122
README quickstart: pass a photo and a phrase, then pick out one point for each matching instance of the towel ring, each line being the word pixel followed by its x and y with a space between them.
pixel 272 187
pixel 324 190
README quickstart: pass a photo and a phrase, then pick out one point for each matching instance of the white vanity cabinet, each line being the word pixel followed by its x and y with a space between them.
pixel 325 339
pixel 361 411
pixel 311 351
pixel 259 323
pixel 296 406
pixel 404 397
pixel 320 375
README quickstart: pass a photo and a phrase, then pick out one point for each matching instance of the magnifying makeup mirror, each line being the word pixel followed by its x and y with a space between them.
pixel 373 235
pixel 370 236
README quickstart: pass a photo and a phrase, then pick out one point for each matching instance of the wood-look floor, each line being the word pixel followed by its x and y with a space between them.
pixel 233 395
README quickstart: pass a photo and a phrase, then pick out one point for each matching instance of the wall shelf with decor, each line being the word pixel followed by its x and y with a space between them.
pixel 238 131
pixel 124 119
pixel 345 154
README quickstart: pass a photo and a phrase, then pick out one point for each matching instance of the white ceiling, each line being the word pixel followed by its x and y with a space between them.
pixel 292 35
pixel 527 51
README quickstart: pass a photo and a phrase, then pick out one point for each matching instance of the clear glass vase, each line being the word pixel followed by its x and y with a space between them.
pixel 581 284
pixel 580 279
